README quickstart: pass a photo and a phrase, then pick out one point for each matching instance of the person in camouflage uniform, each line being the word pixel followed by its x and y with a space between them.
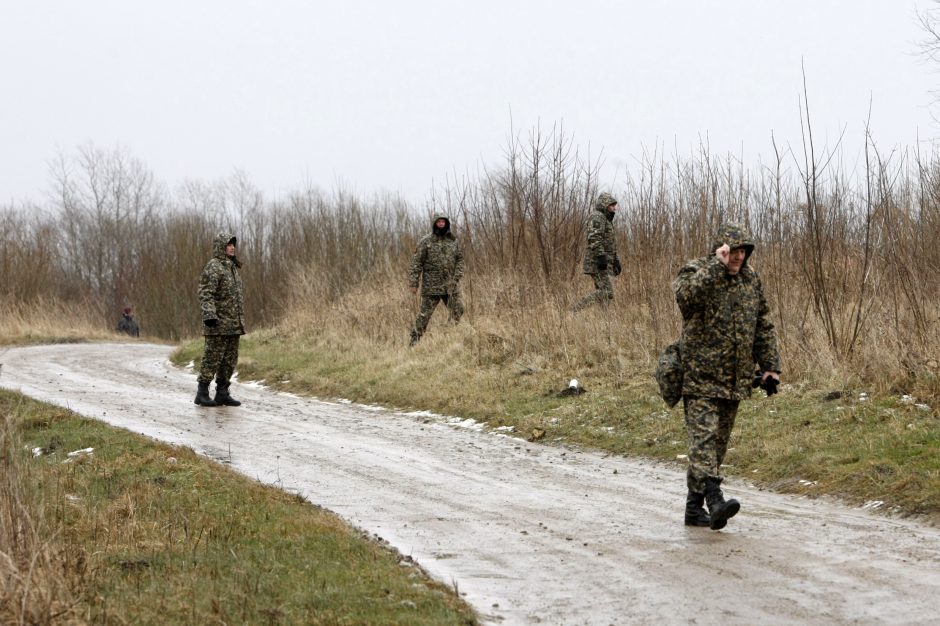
pixel 438 264
pixel 600 256
pixel 220 299
pixel 725 331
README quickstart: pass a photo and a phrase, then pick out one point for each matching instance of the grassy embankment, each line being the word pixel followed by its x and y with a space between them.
pixel 506 366
pixel 137 532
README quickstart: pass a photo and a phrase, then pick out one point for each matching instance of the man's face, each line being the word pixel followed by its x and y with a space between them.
pixel 612 208
pixel 736 260
pixel 230 249
pixel 441 223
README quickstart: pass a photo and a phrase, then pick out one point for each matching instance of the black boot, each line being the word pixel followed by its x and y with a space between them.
pixel 202 396
pixel 719 510
pixel 695 514
pixel 222 396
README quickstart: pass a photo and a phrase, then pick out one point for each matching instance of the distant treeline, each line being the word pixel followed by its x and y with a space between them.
pixel 845 255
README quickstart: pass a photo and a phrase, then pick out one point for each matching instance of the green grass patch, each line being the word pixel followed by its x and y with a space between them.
pixel 882 448
pixel 154 534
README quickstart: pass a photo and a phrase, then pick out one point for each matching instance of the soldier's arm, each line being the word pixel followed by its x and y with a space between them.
pixel 208 286
pixel 458 265
pixel 595 236
pixel 765 349
pixel 417 261
pixel 695 285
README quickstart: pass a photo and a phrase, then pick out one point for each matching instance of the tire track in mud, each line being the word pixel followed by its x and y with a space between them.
pixel 529 534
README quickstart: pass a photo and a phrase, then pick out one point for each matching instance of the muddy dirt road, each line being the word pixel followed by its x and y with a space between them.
pixel 530 534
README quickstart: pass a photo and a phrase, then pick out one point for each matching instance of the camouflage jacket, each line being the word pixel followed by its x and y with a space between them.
pixel 600 236
pixel 220 291
pixel 726 328
pixel 437 262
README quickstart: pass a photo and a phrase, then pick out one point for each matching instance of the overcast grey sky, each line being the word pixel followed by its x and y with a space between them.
pixel 394 95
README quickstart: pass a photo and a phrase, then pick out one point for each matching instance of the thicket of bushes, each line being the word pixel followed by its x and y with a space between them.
pixel 849 256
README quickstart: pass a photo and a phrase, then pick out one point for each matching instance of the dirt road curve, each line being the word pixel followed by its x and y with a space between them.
pixel 530 534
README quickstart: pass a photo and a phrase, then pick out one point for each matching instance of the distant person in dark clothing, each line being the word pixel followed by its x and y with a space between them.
pixel 127 323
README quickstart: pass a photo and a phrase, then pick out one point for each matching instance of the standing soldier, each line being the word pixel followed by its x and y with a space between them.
pixel 725 331
pixel 438 264
pixel 600 256
pixel 220 298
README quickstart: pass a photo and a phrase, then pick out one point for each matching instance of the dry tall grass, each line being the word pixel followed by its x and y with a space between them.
pixel 849 255
pixel 44 320
pixel 34 584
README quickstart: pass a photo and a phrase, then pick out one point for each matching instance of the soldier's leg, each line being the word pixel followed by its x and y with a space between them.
pixel 424 316
pixel 701 424
pixel 602 294
pixel 704 418
pixel 226 368
pixel 228 361
pixel 605 290
pixel 727 411
pixel 211 358
pixel 455 305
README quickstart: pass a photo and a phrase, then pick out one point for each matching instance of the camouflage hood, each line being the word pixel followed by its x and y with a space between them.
pixel 736 236
pixel 218 246
pixel 441 216
pixel 603 201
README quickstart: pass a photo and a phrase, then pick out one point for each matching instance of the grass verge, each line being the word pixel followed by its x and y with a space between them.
pixel 137 532
pixel 883 450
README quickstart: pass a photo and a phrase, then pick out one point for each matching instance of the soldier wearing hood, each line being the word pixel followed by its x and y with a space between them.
pixel 600 256
pixel 726 330
pixel 223 322
pixel 438 265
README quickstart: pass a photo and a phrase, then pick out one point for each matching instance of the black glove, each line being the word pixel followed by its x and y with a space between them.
pixel 617 267
pixel 601 262
pixel 769 385
pixel 211 323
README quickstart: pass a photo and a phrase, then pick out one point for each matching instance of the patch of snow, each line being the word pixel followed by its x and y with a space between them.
pixel 507 429
pixel 467 423
pixel 422 414
pixel 907 399
pixel 680 457
pixel 78 454
pixel 923 407
pixel 863 397
pixel 255 384
pixel 873 504
pixel 37 451
pixel 809 483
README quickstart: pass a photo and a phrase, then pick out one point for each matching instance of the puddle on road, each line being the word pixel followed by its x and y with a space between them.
pixel 218 454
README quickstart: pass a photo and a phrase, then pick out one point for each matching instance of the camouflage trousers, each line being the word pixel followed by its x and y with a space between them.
pixel 708 423
pixel 603 292
pixel 453 302
pixel 219 359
